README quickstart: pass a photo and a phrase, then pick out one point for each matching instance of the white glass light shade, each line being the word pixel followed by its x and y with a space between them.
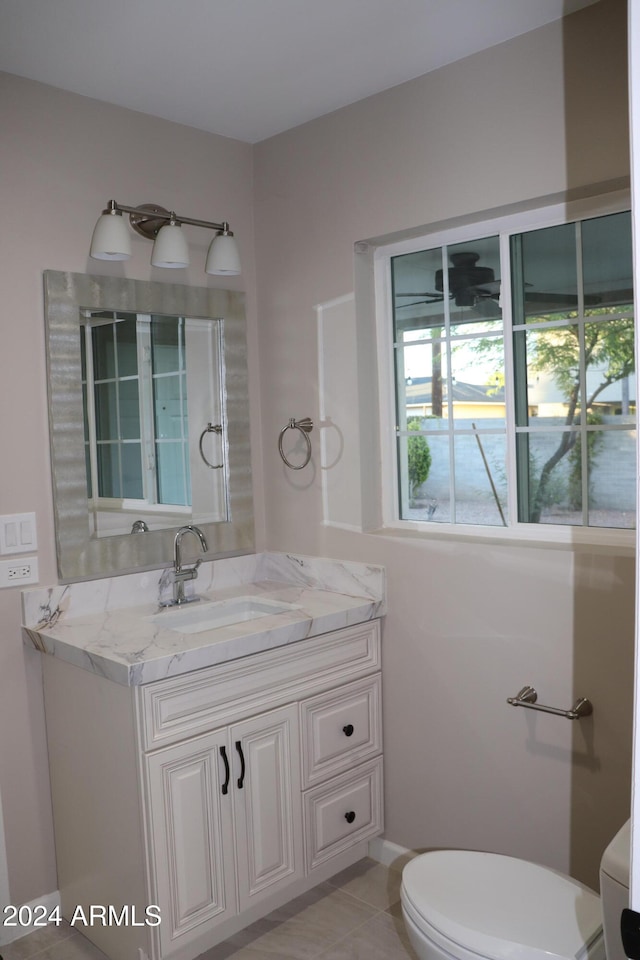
pixel 170 247
pixel 223 258
pixel 110 240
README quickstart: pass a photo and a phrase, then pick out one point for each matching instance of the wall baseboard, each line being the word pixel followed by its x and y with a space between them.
pixel 390 854
pixel 8 934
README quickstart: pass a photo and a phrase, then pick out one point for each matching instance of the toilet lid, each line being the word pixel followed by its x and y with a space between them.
pixel 501 907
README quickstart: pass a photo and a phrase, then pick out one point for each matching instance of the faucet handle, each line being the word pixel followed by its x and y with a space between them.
pixel 186 573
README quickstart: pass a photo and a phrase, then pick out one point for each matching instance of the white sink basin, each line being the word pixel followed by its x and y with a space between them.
pixel 199 616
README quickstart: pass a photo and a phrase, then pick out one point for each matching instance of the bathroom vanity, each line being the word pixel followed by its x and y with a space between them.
pixel 214 765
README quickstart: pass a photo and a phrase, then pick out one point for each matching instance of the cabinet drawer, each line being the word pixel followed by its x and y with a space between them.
pixel 179 707
pixel 343 812
pixel 340 728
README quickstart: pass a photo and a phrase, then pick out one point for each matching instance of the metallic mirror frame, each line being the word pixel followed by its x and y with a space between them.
pixel 81 557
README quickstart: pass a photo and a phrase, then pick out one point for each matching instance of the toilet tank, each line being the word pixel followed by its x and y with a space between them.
pixel 614 889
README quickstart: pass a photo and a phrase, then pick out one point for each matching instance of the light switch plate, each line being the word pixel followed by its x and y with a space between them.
pixel 18 533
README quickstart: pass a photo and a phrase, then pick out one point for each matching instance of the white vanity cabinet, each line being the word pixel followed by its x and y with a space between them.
pixel 224 822
pixel 217 795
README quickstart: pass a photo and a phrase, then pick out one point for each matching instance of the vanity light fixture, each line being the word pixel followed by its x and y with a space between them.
pixel 111 240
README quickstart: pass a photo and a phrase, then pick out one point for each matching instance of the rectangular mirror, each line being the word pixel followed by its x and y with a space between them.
pixel 149 421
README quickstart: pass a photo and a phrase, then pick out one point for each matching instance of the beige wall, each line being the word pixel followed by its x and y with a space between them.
pixel 468 624
pixel 62 157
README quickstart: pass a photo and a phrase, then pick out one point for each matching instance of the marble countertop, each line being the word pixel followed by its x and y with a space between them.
pixel 121 643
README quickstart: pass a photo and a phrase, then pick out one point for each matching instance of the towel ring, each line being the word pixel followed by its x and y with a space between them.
pixel 210 428
pixel 305 426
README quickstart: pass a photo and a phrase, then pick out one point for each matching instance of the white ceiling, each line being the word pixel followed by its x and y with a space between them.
pixel 249 69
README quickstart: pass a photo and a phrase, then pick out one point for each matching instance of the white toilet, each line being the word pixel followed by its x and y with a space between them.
pixel 466 905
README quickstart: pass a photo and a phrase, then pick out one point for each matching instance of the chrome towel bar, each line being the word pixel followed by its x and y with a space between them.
pixel 528 696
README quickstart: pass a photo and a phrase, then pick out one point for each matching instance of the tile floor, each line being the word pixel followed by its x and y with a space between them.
pixel 354 916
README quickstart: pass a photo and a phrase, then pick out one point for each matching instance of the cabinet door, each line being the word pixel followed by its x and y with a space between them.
pixel 191 838
pixel 267 803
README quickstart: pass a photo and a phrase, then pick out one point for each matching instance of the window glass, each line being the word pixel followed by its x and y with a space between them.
pixel 172 476
pixel 474 286
pixel 571 376
pixel 418 304
pixel 481 488
pixel 547 437
pixel 168 407
pixel 132 470
pixel 449 381
pixel 106 399
pixel 108 458
pixel 544 273
pixel 477 381
pixel 167 344
pixel 127 347
pixel 612 481
pixel 548 466
pixel 548 371
pixel 607 263
pixel 425 479
pixel 129 407
pixel 104 357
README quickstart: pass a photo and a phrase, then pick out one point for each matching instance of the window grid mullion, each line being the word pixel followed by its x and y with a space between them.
pixel 184 439
pixel 450 420
pixel 116 368
pixel 147 428
pixel 584 449
pixel 91 412
pixel 509 382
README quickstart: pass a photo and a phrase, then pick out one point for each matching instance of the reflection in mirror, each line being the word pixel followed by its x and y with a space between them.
pixel 152 392
pixel 149 421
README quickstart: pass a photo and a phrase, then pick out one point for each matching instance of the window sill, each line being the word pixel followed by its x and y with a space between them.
pixel 576 539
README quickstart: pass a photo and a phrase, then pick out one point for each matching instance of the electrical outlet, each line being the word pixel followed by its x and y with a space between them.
pixel 18 572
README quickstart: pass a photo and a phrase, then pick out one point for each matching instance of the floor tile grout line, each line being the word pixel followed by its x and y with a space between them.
pixel 354 896
pixel 368 903
pixel 354 930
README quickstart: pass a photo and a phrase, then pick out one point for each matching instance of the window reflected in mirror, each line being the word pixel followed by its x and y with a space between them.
pixel 153 408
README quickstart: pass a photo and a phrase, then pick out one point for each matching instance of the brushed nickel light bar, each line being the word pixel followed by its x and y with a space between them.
pixel 111 239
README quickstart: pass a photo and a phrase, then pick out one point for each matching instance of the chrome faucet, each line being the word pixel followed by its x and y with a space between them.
pixel 182 574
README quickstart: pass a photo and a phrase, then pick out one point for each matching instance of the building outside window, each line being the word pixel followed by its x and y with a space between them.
pixel 515 388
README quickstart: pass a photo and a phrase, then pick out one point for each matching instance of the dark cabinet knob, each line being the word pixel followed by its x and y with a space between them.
pixel 350 816
pixel 348 730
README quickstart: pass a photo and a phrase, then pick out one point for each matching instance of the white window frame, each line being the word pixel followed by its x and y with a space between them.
pixel 619 541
